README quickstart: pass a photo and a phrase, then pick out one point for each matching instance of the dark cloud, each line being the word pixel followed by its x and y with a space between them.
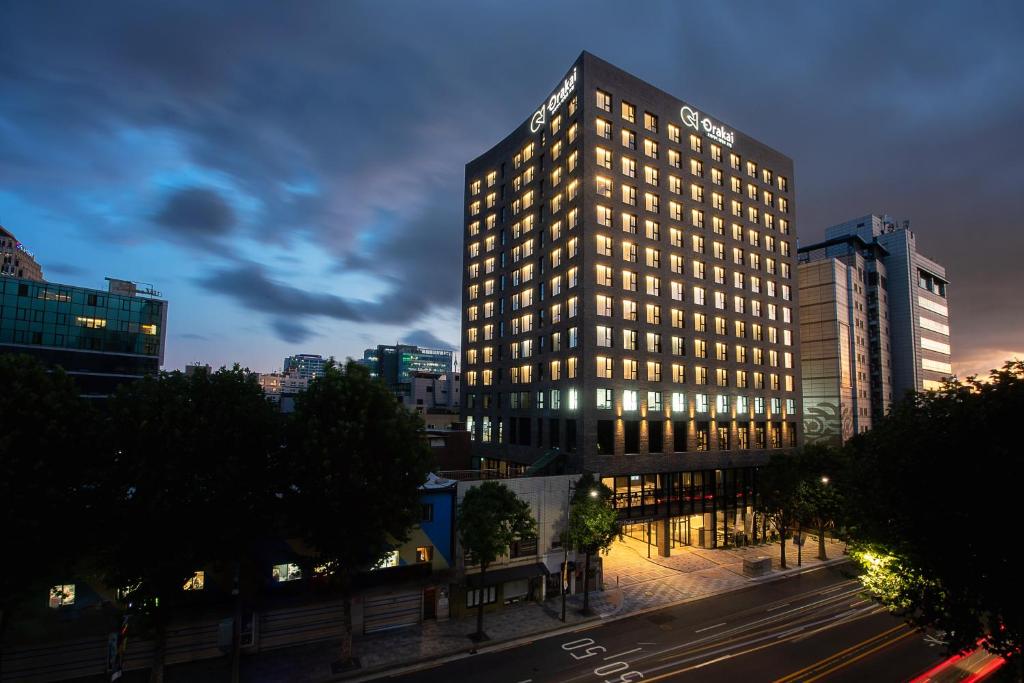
pixel 68 269
pixel 249 285
pixel 291 331
pixel 332 127
pixel 192 335
pixel 426 339
pixel 196 214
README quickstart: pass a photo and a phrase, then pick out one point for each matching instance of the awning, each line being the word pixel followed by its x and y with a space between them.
pixel 523 571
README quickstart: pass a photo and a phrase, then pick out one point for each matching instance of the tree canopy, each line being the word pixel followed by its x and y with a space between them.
pixel 46 456
pixel 491 518
pixel 593 523
pixel 931 504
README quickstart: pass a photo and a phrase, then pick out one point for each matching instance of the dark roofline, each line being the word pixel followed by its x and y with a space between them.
pixel 845 239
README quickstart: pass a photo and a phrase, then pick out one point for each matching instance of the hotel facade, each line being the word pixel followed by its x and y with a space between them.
pixel 629 298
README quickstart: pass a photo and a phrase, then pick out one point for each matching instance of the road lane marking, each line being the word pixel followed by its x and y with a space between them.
pixel 772 609
pixel 709 628
pixel 848 662
pixel 635 649
pixel 838 655
pixel 670 674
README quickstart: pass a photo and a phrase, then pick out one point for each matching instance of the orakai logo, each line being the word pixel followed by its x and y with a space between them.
pixel 692 118
pixel 556 100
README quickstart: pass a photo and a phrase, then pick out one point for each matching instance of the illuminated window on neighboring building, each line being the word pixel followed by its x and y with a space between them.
pixel 196 582
pixel 62 595
pixel 289 571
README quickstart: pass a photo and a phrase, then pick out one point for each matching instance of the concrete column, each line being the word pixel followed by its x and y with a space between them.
pixel 664 537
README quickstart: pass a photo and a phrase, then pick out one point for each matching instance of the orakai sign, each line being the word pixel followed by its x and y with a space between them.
pixel 556 100
pixel 692 118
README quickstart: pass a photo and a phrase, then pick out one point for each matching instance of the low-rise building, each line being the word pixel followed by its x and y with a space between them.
pixel 101 338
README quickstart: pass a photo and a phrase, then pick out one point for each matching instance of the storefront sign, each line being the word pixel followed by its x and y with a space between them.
pixel 692 118
pixel 556 100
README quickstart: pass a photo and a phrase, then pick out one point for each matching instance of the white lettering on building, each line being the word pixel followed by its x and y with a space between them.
pixel 556 100
pixel 702 124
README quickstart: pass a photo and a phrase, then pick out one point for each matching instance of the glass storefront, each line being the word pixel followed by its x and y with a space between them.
pixel 706 508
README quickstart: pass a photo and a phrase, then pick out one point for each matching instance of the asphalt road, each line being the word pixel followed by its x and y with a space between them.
pixel 807 627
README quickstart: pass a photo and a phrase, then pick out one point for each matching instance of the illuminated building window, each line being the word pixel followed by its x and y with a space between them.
pixel 629 112
pixel 604 129
pixel 604 399
pixel 390 558
pixel 651 148
pixel 678 402
pixel 62 595
pixel 195 582
pixel 629 223
pixel 604 100
pixel 650 122
pixel 653 371
pixel 628 139
pixel 474 187
pixel 630 402
pixel 628 167
pixel 629 195
pixel 673 132
pixel 280 573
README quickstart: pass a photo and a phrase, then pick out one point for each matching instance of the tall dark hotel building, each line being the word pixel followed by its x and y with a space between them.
pixel 629 298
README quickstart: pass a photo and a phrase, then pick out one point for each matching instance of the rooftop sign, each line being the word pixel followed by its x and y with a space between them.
pixel 556 100
pixel 717 132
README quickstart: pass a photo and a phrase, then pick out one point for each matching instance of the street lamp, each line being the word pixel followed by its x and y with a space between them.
pixel 824 480
pixel 565 542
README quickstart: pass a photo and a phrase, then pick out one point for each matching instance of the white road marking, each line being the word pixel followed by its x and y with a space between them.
pixel 709 628
pixel 772 609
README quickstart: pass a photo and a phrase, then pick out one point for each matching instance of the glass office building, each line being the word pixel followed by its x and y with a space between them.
pixel 100 338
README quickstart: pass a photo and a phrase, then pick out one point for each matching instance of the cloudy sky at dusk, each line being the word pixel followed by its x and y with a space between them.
pixel 290 175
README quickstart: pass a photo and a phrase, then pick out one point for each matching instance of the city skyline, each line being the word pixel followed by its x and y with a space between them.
pixel 308 199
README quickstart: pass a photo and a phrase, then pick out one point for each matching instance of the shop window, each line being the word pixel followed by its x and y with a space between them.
pixel 286 572
pixel 473 596
pixel 196 582
pixel 62 595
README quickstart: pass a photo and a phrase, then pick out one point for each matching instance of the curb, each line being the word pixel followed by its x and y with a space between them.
pixel 429 662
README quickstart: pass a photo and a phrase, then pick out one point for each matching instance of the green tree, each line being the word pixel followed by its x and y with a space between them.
pixel 931 503
pixel 819 493
pixel 186 484
pixel 593 524
pixel 491 518
pixel 780 499
pixel 45 456
pixel 355 458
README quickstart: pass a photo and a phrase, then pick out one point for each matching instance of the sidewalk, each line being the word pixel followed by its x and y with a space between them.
pixel 634 583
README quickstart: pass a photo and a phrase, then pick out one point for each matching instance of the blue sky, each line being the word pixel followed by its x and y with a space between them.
pixel 290 175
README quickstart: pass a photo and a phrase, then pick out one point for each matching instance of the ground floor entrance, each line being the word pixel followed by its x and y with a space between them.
pixel 704 509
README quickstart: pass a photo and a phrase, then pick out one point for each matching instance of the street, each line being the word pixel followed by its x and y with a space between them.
pixel 811 626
